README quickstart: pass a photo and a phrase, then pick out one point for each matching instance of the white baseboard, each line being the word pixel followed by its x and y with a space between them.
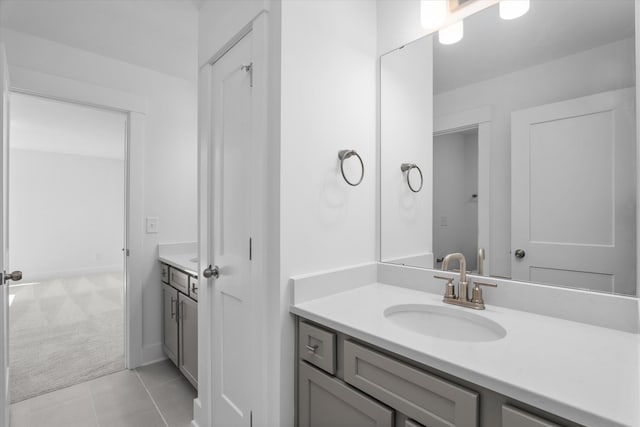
pixel 152 353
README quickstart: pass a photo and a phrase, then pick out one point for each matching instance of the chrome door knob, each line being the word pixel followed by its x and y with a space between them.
pixel 15 276
pixel 210 272
pixel 519 253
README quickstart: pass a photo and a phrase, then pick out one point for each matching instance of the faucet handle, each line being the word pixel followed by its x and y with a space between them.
pixel 476 296
pixel 450 291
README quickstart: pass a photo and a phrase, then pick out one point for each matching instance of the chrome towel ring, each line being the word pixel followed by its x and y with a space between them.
pixel 406 167
pixel 344 155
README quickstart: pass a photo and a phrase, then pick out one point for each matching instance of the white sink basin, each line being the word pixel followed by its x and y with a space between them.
pixel 444 322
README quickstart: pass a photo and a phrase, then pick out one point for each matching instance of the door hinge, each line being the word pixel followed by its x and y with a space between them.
pixel 250 249
pixel 126 251
pixel 249 69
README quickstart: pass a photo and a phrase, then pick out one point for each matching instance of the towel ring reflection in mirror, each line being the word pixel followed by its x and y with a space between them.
pixel 406 167
pixel 344 155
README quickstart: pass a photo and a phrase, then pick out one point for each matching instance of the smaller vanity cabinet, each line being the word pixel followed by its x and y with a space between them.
pixel 346 382
pixel 180 320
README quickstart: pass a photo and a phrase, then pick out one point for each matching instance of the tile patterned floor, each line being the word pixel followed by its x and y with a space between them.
pixel 151 396
pixel 65 331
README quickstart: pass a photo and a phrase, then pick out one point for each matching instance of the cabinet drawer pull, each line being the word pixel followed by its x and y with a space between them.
pixel 173 307
pixel 312 348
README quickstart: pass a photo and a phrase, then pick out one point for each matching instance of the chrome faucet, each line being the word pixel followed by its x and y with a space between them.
pixel 462 299
pixel 463 285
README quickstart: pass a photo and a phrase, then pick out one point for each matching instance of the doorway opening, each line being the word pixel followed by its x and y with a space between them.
pixel 67 214
pixel 455 205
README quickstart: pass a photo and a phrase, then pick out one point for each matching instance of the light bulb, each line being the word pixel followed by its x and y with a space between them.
pixel 433 13
pixel 512 9
pixel 451 34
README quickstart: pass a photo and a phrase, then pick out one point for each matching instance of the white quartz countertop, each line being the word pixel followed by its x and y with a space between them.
pixel 183 256
pixel 586 374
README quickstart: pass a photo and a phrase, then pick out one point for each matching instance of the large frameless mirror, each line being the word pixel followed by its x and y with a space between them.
pixel 522 136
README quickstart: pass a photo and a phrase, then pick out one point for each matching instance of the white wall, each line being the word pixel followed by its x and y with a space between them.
pixel 600 69
pixel 66 214
pixel 170 184
pixel 328 104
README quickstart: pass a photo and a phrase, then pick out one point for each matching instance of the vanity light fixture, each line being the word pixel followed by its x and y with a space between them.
pixel 451 34
pixel 433 13
pixel 512 9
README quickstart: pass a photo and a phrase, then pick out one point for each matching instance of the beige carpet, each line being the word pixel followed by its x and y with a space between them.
pixel 65 331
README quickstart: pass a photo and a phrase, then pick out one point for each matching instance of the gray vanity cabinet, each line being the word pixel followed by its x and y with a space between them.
pixel 170 322
pixel 188 348
pixel 325 401
pixel 180 320
pixel 343 381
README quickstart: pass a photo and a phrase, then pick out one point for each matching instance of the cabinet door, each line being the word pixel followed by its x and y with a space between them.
pixel 512 417
pixel 426 398
pixel 324 401
pixel 170 322
pixel 189 339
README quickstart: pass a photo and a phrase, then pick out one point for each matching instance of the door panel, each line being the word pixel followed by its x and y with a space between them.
pixel 573 193
pixel 232 203
pixel 4 253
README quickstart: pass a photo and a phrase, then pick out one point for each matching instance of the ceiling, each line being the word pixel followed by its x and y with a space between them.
pixel 550 30
pixel 161 35
pixel 39 124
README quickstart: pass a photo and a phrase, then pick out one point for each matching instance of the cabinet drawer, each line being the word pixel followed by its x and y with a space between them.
pixel 193 287
pixel 317 347
pixel 423 397
pixel 512 417
pixel 165 273
pixel 327 402
pixel 179 280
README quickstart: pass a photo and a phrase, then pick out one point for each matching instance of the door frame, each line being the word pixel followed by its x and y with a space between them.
pixel 43 85
pixel 203 404
pixel 481 119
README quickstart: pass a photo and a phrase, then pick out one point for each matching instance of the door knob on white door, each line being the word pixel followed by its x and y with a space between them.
pixel 210 272
pixel 15 276
pixel 519 253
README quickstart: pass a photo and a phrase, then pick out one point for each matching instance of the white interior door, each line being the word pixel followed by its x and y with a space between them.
pixel 231 233
pixel 4 290
pixel 573 193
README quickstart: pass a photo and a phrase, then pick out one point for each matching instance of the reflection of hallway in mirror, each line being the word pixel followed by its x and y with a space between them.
pixel 455 197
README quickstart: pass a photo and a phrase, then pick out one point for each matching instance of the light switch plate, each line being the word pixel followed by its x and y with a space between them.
pixel 152 224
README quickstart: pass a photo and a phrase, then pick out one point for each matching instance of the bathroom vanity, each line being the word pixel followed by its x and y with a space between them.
pixel 180 313
pixel 343 379
pixel 358 361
